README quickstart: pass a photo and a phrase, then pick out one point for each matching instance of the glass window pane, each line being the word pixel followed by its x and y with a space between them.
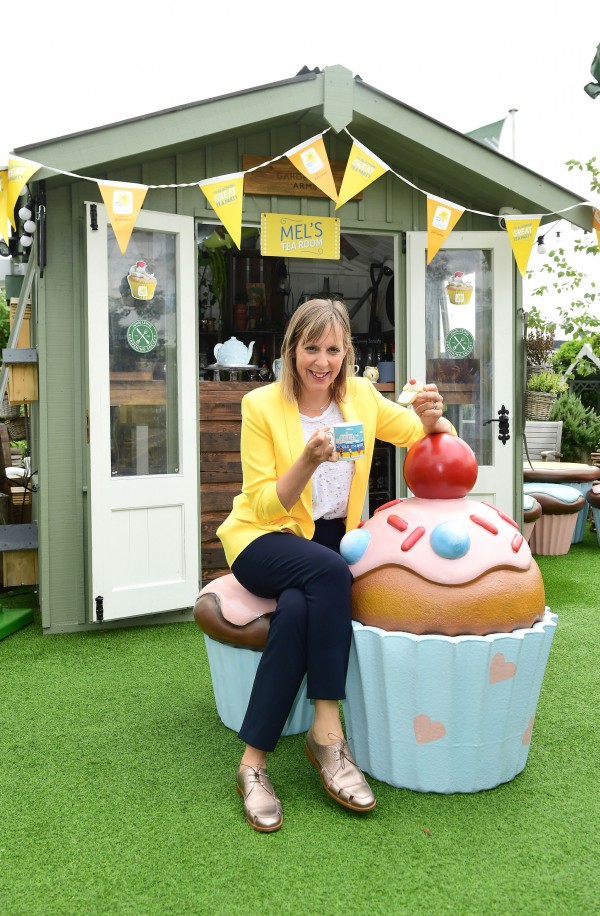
pixel 142 306
pixel 458 306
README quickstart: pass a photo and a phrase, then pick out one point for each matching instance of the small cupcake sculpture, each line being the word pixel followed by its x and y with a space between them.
pixel 451 632
pixel 459 290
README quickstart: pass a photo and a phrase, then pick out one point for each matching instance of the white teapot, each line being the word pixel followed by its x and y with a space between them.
pixel 233 352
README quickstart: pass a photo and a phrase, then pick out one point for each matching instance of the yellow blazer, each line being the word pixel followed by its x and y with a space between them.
pixel 272 440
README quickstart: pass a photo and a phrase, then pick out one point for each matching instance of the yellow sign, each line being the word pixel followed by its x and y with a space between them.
pixel 442 217
pixel 596 222
pixel 286 236
pixel 123 203
pixel 19 173
pixel 311 159
pixel 225 194
pixel 4 204
pixel 522 232
pixel 363 168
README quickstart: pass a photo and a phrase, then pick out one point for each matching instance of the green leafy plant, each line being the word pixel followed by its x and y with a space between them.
pixel 580 316
pixel 547 382
pixel 4 320
pixel 566 354
pixel 581 428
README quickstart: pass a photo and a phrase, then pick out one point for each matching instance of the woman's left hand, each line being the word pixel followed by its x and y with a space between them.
pixel 428 405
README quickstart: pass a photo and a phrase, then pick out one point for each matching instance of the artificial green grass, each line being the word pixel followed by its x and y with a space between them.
pixel 117 791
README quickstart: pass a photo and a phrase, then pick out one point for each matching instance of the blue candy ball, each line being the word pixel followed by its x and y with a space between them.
pixel 450 540
pixel 353 545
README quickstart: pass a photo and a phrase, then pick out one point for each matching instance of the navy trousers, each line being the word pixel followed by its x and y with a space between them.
pixel 310 631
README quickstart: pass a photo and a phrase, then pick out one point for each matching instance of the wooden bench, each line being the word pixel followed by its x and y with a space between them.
pixel 542 440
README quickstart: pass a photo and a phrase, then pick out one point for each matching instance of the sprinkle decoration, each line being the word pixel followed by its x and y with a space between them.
pixel 516 542
pixel 393 502
pixel 483 523
pixel 412 538
pixel 396 522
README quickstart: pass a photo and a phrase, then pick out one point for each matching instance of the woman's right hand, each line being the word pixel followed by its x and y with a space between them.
pixel 319 447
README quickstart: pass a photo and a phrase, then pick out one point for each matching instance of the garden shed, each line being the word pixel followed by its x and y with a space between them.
pixel 124 501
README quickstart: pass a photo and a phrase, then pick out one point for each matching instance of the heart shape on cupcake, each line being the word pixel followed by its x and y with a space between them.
pixel 427 730
pixel 500 669
pixel 526 739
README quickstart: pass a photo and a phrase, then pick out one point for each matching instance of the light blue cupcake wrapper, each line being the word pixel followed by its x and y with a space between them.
pixel 402 690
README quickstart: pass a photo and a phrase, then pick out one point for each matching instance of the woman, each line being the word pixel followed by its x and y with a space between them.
pixel 282 540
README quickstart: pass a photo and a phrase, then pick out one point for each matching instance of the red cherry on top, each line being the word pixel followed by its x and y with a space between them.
pixel 440 466
pixel 140 263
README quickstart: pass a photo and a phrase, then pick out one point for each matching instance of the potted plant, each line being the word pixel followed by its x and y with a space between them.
pixel 543 389
pixel 539 346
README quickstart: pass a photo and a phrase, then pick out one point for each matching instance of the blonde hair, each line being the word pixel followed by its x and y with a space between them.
pixel 308 324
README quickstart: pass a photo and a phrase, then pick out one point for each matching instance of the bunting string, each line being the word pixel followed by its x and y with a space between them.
pixel 224 194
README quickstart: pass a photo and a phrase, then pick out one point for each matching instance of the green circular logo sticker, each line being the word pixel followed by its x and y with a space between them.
pixel 142 336
pixel 459 343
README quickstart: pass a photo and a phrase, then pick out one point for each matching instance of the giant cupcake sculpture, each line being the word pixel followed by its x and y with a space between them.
pixel 451 632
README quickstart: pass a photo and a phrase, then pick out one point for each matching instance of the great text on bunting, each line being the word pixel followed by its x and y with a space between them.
pixel 311 159
pixel 123 203
pixel 19 173
pixel 4 204
pixel 283 235
pixel 442 217
pixel 225 194
pixel 522 232
pixel 362 169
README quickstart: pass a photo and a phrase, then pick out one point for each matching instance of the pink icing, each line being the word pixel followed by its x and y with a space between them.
pixel 494 541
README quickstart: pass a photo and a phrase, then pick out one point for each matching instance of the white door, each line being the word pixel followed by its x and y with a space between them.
pixel 460 335
pixel 143 417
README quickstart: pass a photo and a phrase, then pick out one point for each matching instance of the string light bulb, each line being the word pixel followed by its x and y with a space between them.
pixel 25 213
pixel 540 245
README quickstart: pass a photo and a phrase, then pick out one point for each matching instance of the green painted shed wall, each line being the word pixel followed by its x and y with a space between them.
pixel 389 205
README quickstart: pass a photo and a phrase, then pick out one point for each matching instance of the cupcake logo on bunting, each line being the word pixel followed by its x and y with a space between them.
pixel 442 217
pixel 123 203
pixel 310 158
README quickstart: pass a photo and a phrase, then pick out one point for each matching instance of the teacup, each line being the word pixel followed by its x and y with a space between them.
pixel 348 440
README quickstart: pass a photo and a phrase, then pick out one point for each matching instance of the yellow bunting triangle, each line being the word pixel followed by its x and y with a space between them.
pixel 19 173
pixel 522 232
pixel 363 167
pixel 4 204
pixel 123 203
pixel 310 158
pixel 596 222
pixel 225 194
pixel 442 217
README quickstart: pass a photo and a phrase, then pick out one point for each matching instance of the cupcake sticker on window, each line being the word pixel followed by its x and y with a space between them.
pixel 142 283
pixel 459 290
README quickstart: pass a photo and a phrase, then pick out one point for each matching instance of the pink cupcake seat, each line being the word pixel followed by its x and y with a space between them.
pixel 235 624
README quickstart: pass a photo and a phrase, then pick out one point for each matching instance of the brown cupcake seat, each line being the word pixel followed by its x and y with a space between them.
pixel 229 613
pixel 236 624
pixel 593 501
pixel 553 531
pixel 531 512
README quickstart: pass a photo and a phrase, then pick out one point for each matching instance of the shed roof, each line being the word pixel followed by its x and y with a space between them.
pixel 417 147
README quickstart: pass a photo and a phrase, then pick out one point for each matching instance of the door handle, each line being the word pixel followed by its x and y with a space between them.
pixel 503 425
